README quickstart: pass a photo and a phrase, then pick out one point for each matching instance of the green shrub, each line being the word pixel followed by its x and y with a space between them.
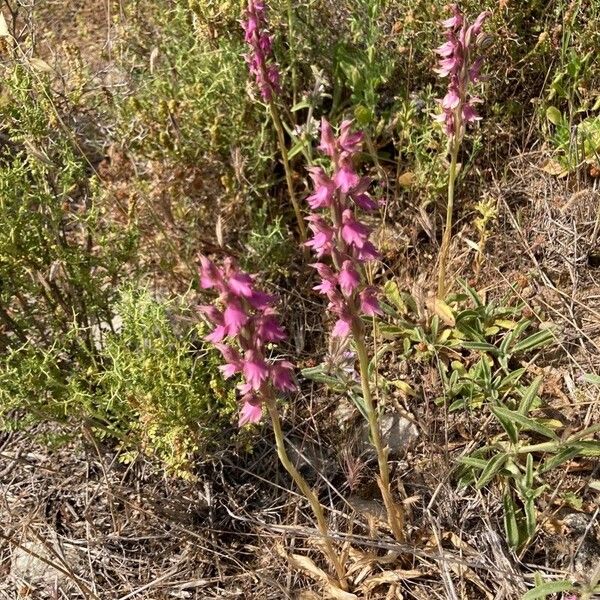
pixel 151 388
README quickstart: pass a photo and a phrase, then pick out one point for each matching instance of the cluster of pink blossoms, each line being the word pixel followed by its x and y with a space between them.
pixel 339 234
pixel 264 70
pixel 244 324
pixel 458 63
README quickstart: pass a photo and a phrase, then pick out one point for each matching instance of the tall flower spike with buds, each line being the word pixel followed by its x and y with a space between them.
pixel 265 71
pixel 244 322
pixel 259 58
pixel 340 236
pixel 460 65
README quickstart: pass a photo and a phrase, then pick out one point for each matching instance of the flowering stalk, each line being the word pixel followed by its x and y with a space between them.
pixel 267 77
pixel 458 63
pixel 343 238
pixel 244 323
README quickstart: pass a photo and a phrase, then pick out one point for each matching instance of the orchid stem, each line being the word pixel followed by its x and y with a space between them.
pixel 447 237
pixel 288 171
pixel 395 513
pixel 291 38
pixel 308 493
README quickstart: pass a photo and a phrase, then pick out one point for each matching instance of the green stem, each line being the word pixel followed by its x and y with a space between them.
pixel 394 511
pixel 447 237
pixel 308 493
pixel 288 171
pixel 290 14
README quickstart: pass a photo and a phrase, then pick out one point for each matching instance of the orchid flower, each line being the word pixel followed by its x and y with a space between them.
pixel 338 232
pixel 259 58
pixel 458 63
pixel 244 322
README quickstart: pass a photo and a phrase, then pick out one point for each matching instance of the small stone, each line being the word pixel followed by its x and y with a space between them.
pixel 398 433
pixel 26 568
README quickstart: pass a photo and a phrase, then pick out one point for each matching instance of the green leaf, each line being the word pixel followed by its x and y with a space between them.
pixel 529 472
pixel 512 378
pixel 480 346
pixel 545 589
pixel 318 374
pixel 443 311
pixel 470 461
pixel 589 448
pixel 558 459
pixel 393 295
pixel 511 524
pixel 359 403
pixel 525 422
pixel 300 105
pixel 492 468
pixel 530 518
pixel 529 396
pixel 473 295
pixel 554 115
pixel 296 149
pixel 591 378
pixel 537 340
pixel 507 424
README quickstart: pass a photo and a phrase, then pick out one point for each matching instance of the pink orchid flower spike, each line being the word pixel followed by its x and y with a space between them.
pixel 244 321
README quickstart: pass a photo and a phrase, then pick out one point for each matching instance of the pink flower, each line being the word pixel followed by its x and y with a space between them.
pixel 475 29
pixel 342 327
pixel 217 335
pixel 209 274
pixel 323 235
pixel 254 368
pixel 233 358
pixel 451 99
pixel 367 252
pixel 456 20
pixel 328 144
pixel 260 300
pixel 369 305
pixel 348 278
pixel 346 178
pixel 470 114
pixel 268 328
pixel 353 232
pixel 234 317
pixel 240 284
pixel 212 313
pixel 475 70
pixel 251 411
pixel 248 321
pixel 347 242
pixel 282 375
pixel 448 66
pixel 324 189
pixel 349 140
pixel 463 69
pixel 266 73
pixel 447 49
pixel 328 279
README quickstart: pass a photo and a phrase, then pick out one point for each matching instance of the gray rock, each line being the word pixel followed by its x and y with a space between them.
pixel 398 433
pixel 28 566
